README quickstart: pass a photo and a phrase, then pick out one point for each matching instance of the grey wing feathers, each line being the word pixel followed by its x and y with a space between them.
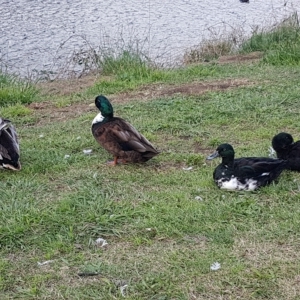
pixel 4 124
pixel 137 146
pixel 4 152
pixel 9 136
pixel 122 140
pixel 13 134
pixel 127 133
pixel 8 132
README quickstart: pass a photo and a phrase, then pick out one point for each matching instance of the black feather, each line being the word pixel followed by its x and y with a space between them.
pixel 245 173
pixel 285 147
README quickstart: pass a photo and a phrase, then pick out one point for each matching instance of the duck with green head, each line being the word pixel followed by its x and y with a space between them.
pixel 245 173
pixel 119 137
pixel 9 146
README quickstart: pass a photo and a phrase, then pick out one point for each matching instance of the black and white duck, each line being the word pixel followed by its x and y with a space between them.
pixel 245 173
pixel 9 146
pixel 119 137
pixel 285 148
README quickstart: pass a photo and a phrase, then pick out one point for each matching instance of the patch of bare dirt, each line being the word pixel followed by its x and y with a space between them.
pixel 195 88
pixel 48 112
pixel 240 58
pixel 65 87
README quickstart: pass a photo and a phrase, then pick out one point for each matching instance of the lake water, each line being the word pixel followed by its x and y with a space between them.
pixel 48 36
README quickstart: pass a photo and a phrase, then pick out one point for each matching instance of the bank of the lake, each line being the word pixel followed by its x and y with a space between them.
pixel 165 222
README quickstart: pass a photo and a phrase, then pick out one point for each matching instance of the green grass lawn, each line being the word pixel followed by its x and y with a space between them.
pixel 165 226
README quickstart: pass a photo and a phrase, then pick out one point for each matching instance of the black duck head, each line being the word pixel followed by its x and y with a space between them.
pixel 224 151
pixel 282 141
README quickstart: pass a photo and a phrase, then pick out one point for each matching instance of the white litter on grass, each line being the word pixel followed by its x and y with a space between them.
pixel 122 289
pixel 95 175
pixel 215 266
pixel 87 151
pixel 187 168
pixel 66 156
pixel 101 242
pixel 198 198
pixel 78 138
pixel 41 136
pixel 272 152
pixel 44 262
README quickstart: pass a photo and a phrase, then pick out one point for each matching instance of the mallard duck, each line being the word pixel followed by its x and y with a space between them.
pixel 285 148
pixel 245 173
pixel 9 146
pixel 118 137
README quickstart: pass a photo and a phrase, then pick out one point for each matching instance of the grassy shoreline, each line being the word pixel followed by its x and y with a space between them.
pixel 165 225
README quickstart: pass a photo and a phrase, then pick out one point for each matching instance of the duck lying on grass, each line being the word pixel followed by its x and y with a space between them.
pixel 9 146
pixel 119 137
pixel 285 147
pixel 246 173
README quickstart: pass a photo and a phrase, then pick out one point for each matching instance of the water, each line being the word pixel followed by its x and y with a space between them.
pixel 52 37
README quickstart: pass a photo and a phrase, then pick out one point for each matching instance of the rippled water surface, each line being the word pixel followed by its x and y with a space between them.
pixel 43 35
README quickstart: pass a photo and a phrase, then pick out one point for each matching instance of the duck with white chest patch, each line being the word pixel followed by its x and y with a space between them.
pixel 246 173
pixel 119 137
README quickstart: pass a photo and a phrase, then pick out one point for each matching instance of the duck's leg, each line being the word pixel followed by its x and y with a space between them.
pixel 113 162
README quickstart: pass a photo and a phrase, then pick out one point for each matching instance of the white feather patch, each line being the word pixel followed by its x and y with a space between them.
pixel 233 184
pixel 99 118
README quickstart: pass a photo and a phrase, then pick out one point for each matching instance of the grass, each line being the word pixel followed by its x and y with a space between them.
pixel 15 91
pixel 208 50
pixel 164 225
pixel 281 45
pixel 127 66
